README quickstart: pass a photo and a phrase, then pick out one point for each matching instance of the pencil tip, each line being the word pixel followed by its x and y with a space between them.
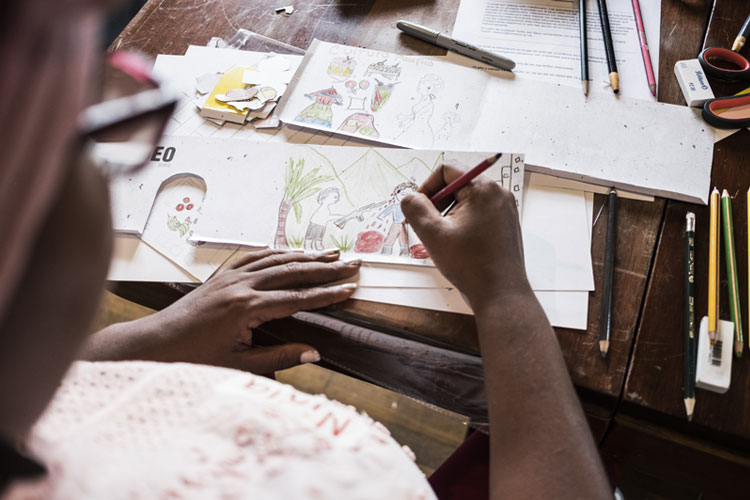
pixel 585 86
pixel 724 193
pixel 652 87
pixel 689 407
pixel 603 348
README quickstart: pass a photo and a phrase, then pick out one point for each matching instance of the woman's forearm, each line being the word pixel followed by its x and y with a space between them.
pixel 541 445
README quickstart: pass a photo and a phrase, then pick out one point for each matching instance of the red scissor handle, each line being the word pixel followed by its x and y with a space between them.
pixel 712 57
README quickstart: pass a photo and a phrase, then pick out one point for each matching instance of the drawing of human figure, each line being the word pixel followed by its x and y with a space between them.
pixel 316 229
pixel 450 120
pixel 415 125
pixel 398 228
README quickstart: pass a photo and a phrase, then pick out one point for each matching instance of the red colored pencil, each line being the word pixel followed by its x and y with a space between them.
pixel 644 48
pixel 465 178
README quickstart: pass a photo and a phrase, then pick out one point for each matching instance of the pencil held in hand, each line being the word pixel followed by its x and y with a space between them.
pixel 465 178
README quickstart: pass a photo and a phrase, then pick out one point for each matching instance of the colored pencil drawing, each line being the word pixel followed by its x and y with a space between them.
pixel 354 207
pixel 388 225
pixel 415 125
pixel 341 68
pixel 381 94
pixel 320 112
pixel 360 123
pixel 298 186
pixel 189 217
pixel 385 70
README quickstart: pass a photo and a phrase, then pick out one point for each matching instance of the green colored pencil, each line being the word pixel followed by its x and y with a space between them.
pixel 688 382
pixel 734 287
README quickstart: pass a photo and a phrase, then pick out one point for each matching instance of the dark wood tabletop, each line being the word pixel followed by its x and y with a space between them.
pixel 654 382
pixel 648 266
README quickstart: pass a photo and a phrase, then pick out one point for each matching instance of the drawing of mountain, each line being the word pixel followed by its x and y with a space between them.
pixel 371 178
pixel 416 170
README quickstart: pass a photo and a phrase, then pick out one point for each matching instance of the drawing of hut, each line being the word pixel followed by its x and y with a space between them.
pixel 320 112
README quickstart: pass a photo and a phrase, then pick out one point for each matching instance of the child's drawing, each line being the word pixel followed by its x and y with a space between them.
pixel 357 103
pixel 341 68
pixel 381 94
pixel 360 123
pixel 180 202
pixel 185 208
pixel 352 85
pixel 319 112
pixel 415 125
pixel 382 68
pixel 450 120
pixel 376 238
pixel 298 186
pixel 316 229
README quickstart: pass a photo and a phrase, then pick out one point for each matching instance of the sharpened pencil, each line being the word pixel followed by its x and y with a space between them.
pixel 609 48
pixel 732 278
pixel 713 266
pixel 605 324
pixel 465 178
pixel 584 48
pixel 688 381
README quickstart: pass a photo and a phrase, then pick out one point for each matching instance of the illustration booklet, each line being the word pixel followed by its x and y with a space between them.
pixel 427 103
pixel 292 196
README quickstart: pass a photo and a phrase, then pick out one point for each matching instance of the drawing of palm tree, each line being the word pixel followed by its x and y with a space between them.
pixel 297 187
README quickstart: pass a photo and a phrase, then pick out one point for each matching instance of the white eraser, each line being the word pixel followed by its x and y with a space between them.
pixel 693 82
pixel 714 364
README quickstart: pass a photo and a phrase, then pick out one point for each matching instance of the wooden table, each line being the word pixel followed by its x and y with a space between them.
pixel 642 372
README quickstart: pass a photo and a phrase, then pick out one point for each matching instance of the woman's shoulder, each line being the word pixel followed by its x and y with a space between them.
pixel 201 431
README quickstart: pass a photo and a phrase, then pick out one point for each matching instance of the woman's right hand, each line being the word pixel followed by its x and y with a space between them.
pixel 477 245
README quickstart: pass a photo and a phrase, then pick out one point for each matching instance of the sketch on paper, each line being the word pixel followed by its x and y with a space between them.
pixel 360 123
pixel 354 207
pixel 341 68
pixel 298 186
pixel 319 112
pixel 357 103
pixel 382 68
pixel 415 125
pixel 286 196
pixel 174 216
pixel 352 85
pixel 415 101
pixel 450 120
pixel 381 94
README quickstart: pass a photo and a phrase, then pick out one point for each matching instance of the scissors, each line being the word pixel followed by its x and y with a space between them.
pixel 726 112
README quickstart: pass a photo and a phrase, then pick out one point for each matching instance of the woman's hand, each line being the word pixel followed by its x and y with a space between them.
pixel 213 324
pixel 477 245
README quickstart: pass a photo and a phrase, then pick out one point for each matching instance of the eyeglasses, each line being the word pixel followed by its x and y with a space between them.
pixel 119 132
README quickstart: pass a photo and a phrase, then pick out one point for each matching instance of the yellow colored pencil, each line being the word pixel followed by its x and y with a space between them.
pixel 713 266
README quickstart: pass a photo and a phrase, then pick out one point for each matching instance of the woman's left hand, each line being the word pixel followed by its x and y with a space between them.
pixel 213 324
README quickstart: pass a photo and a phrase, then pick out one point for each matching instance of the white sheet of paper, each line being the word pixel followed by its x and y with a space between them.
pixel 559 182
pixel 542 37
pixel 563 309
pixel 556 239
pixel 613 142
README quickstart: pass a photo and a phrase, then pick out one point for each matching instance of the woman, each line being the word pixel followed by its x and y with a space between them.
pixel 151 429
